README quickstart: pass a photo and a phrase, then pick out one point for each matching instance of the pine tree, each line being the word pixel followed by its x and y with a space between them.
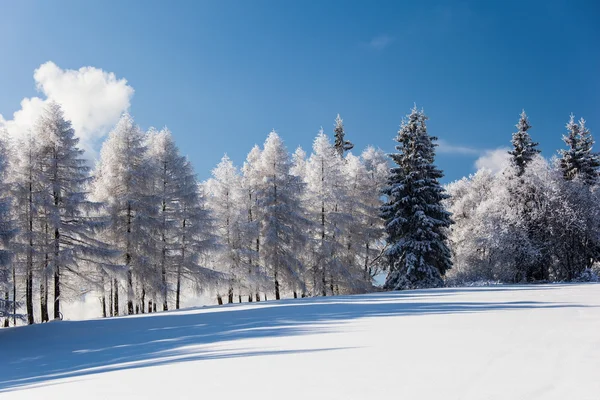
pixel 341 145
pixel 415 218
pixel 578 160
pixel 524 149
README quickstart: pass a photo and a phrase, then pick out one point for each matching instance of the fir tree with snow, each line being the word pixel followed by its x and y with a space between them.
pixel 415 218
pixel 578 160
pixel 341 144
pixel 524 149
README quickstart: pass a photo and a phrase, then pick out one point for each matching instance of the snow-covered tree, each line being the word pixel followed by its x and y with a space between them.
pixel 224 200
pixel 377 169
pixel 325 193
pixel 524 149
pixel 341 144
pixel 63 199
pixel 251 181
pixel 8 277
pixel 182 228
pixel 122 181
pixel 282 225
pixel 579 160
pixel 415 218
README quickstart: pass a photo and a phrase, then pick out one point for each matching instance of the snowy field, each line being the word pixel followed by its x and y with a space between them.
pixel 503 342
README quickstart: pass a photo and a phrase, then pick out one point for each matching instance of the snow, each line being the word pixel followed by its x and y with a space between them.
pixel 498 342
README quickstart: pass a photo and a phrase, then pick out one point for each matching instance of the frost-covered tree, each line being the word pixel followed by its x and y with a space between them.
pixel 122 181
pixel 377 169
pixel 63 199
pixel 26 188
pixel 282 224
pixel 251 181
pixel 224 200
pixel 341 144
pixel 579 160
pixel 8 275
pixel 325 193
pixel 415 218
pixel 524 149
pixel 182 224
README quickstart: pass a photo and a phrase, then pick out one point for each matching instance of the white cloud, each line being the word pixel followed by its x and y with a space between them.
pixel 494 160
pixel 91 98
pixel 447 148
pixel 380 42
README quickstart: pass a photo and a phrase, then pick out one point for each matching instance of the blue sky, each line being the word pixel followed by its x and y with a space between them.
pixel 222 74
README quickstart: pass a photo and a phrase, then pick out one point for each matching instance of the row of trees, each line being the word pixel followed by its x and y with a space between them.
pixel 139 229
pixel 537 220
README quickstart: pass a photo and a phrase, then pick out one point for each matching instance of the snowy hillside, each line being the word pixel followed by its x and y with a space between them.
pixel 519 342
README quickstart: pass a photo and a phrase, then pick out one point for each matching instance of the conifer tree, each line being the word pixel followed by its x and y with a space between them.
pixel 341 145
pixel 281 217
pixel 8 307
pixel 122 181
pixel 415 218
pixel 578 160
pixel 524 149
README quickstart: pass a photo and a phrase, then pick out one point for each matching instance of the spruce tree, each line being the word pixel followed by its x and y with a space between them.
pixel 578 160
pixel 415 218
pixel 524 149
pixel 341 145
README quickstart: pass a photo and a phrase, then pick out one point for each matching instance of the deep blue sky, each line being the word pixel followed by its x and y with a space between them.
pixel 222 74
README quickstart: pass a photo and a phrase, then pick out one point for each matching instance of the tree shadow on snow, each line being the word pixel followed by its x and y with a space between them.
pixel 38 355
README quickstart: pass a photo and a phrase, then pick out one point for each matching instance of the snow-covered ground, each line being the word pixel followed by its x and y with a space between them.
pixel 502 342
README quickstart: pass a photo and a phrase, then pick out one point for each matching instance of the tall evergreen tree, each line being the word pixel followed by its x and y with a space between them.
pixel 341 144
pixel 415 218
pixel 524 149
pixel 578 160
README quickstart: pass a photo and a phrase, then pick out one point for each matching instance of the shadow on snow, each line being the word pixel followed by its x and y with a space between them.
pixel 39 354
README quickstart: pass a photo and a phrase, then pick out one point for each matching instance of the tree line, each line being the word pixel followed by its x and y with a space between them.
pixel 141 232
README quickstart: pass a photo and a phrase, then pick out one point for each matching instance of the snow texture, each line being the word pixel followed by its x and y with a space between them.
pixel 499 342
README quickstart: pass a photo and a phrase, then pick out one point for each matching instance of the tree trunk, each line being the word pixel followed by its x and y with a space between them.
pixel 110 300
pixel 250 298
pixel 230 295
pixel 7 319
pixel 103 300
pixel 116 298
pixel 143 299
pixel 219 300
pixel 178 288
pixel 129 292
pixel 149 306
pixel 44 299
pixel 276 288
pixel 295 295
pixel 154 307
pixel 240 297
pixel 14 279
pixel 29 296
pixel 257 297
